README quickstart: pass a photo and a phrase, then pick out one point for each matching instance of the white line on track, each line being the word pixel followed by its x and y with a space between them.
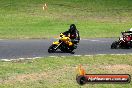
pixel 52 56
pixel 88 55
pixel 78 55
pixel 63 56
pixel 30 58
pixel 37 57
pixel 21 58
pixel 7 60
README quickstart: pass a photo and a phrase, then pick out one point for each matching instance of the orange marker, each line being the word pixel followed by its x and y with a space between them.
pixel 45 6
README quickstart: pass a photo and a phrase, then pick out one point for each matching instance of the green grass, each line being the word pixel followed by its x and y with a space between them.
pixel 60 72
pixel 93 18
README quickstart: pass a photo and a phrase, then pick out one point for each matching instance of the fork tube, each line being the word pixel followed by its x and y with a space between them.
pixel 58 45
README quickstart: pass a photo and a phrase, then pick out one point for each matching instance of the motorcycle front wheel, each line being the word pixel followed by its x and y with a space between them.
pixel 115 45
pixel 52 48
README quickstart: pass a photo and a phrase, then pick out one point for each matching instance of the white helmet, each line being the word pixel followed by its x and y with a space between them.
pixel 130 29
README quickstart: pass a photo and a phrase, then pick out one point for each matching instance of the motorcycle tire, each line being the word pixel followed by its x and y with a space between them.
pixel 115 45
pixel 70 50
pixel 127 47
pixel 52 48
pixel 66 50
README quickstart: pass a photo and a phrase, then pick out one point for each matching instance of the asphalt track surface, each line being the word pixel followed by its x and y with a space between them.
pixel 14 49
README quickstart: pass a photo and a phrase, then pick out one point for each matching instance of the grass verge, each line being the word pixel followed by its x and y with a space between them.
pixel 93 18
pixel 60 72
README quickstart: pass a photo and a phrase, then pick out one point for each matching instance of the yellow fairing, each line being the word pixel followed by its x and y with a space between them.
pixel 70 43
pixel 56 43
pixel 64 39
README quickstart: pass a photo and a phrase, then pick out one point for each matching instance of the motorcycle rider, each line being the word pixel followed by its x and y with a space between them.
pixel 129 36
pixel 129 31
pixel 74 34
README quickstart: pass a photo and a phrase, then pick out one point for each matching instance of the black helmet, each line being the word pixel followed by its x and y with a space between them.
pixel 72 28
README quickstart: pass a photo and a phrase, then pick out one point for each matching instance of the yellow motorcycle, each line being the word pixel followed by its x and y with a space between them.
pixel 64 44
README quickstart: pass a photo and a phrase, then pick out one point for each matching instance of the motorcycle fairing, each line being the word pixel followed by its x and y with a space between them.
pixel 56 43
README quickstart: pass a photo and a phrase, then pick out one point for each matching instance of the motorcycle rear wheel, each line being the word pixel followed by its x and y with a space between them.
pixel 66 49
pixel 70 50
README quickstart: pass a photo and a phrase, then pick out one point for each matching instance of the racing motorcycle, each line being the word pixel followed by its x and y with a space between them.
pixel 64 44
pixel 124 42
